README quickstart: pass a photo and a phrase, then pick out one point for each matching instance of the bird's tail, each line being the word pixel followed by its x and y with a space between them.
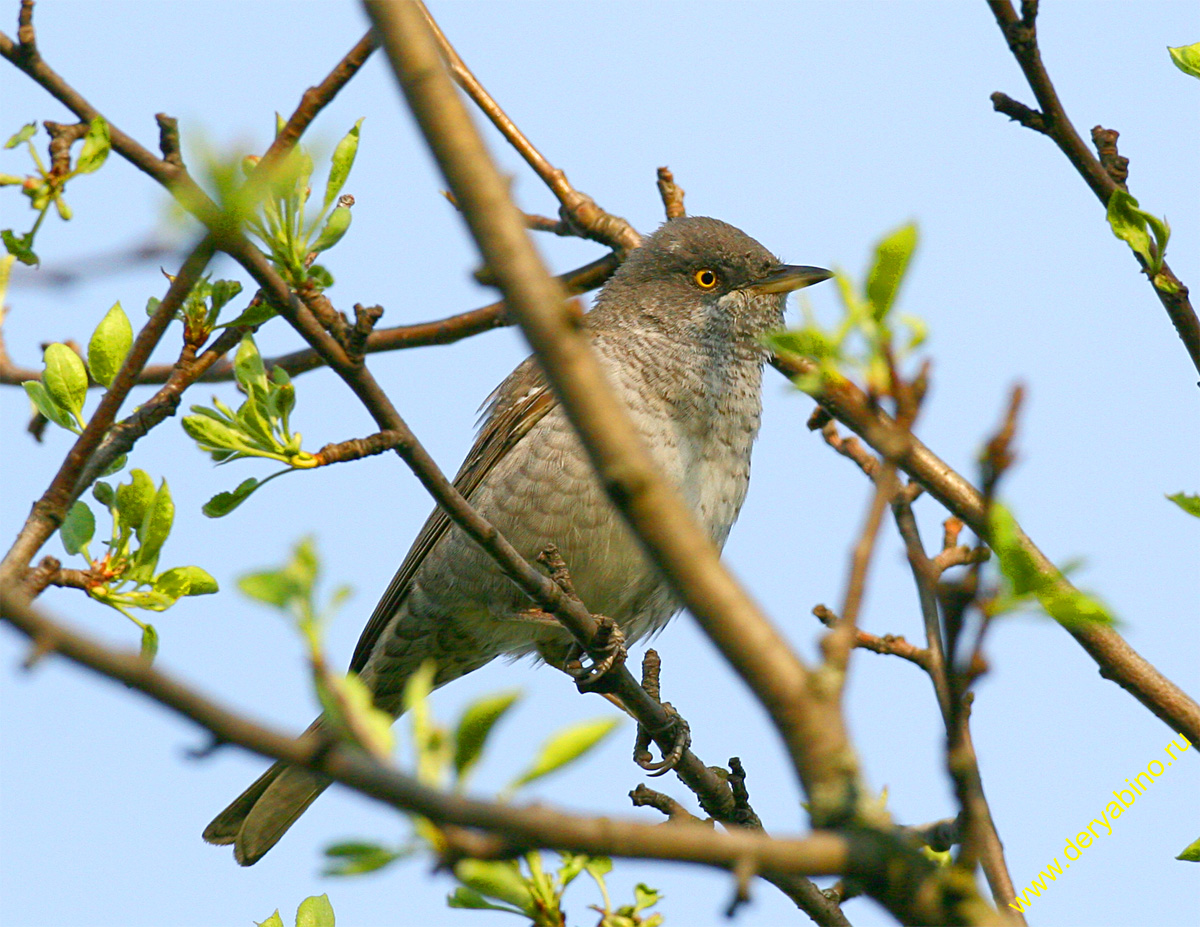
pixel 257 818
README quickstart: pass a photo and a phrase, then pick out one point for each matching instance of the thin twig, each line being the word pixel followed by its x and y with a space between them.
pixel 49 511
pixel 421 334
pixel 925 574
pixel 892 645
pixel 1118 661
pixel 578 209
pixel 671 193
pixel 1021 35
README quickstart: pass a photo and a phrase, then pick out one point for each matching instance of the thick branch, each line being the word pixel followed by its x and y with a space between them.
pixel 688 558
pixel 870 858
pixel 522 828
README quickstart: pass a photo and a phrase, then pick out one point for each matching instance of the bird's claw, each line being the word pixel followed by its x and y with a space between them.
pixel 610 641
pixel 683 739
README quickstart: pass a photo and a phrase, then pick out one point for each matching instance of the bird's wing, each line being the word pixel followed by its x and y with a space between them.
pixel 513 409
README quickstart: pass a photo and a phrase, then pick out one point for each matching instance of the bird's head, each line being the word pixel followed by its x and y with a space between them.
pixel 705 277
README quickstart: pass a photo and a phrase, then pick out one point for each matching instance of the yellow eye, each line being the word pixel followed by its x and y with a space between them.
pixel 705 278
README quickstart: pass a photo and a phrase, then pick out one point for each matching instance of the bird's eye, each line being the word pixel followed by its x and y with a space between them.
pixel 705 278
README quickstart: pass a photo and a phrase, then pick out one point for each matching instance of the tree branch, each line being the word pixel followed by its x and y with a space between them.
pixel 1021 35
pixel 579 210
pixel 521 828
pixel 868 857
pixel 688 558
pixel 1118 661
pixel 49 511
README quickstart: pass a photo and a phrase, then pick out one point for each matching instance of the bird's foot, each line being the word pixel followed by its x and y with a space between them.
pixel 609 641
pixel 681 735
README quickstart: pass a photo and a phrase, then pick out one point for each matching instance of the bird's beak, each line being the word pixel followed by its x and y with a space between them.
pixel 787 277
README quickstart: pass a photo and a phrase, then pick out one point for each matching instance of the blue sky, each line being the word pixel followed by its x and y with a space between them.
pixel 816 127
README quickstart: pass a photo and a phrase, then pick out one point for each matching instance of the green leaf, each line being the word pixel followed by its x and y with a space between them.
pixel 65 378
pixel 918 330
pixel 1189 503
pixel 20 247
pixel 273 587
pixel 474 727
pixel 463 897
pixel 213 435
pixel 566 746
pixel 248 365
pixel 1129 223
pixel 350 708
pixel 285 395
pixel 891 261
pixel 26 132
pixel 253 315
pixel 1066 604
pixel 149 642
pixel 645 897
pixel 96 146
pixel 341 163
pixel 572 864
pixel 335 227
pixel 116 466
pixel 273 921
pixel 1016 563
pixel 355 858
pixel 315 911
pixel 1187 58
pixel 134 499
pixel 304 563
pixel 296 578
pixel 499 879
pixel 418 687
pixel 254 417
pixel 1073 607
pixel 222 292
pixel 110 344
pixel 808 342
pixel 77 528
pixel 185 580
pixel 50 409
pixel 225 502
pixel 155 527
pixel 143 598
pixel 318 275
pixel 1191 853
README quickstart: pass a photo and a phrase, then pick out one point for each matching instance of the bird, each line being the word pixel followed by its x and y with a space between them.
pixel 678 330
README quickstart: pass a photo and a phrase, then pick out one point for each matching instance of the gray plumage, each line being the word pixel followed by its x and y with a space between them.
pixel 678 330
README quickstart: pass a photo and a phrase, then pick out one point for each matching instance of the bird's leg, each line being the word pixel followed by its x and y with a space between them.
pixel 608 639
